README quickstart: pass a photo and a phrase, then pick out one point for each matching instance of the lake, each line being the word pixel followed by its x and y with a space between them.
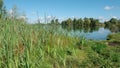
pixel 95 34
pixel 100 34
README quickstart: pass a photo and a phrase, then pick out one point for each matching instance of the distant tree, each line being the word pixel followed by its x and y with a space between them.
pixel 63 23
pixel 52 21
pixel 96 22
pixel 56 21
pixel 80 22
pixel 1 5
pixel 113 24
pixel 3 13
pixel 113 21
pixel 92 22
pixel 74 22
pixel 69 22
pixel 87 21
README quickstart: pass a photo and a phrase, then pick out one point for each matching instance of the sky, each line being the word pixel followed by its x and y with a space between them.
pixel 63 9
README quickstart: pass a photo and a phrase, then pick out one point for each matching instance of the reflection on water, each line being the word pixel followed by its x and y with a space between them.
pixel 101 34
pixel 95 33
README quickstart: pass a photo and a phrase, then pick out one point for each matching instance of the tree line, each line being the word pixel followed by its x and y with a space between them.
pixel 113 24
pixel 86 22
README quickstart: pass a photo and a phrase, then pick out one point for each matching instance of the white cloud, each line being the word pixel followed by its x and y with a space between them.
pixel 114 17
pixel 108 7
pixel 101 17
pixel 22 17
pixel 41 18
pixel 49 17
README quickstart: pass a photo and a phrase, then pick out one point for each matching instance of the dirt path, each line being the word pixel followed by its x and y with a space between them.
pixel 114 43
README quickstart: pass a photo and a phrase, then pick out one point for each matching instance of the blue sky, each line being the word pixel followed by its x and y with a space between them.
pixel 101 9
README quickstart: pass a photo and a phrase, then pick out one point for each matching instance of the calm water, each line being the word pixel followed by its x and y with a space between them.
pixel 94 33
pixel 99 34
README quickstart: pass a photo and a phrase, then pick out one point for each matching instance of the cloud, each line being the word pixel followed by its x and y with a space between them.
pixel 101 17
pixel 22 17
pixel 49 17
pixel 114 17
pixel 107 19
pixel 108 7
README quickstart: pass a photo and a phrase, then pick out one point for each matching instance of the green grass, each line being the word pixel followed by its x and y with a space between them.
pixel 25 45
pixel 114 37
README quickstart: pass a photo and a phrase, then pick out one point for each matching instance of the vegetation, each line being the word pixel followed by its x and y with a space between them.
pixel 90 23
pixel 113 24
pixel 85 25
pixel 24 45
pixel 114 39
pixel 56 22
pixel 86 22
pixel 30 46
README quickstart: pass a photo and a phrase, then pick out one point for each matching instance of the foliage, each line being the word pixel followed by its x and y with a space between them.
pixel 56 21
pixel 86 22
pixel 113 24
pixel 98 48
pixel 114 37
pixel 25 45
pixel 3 13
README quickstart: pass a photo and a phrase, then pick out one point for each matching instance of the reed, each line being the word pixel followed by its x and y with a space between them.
pixel 24 45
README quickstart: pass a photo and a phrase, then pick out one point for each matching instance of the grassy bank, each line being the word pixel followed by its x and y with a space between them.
pixel 25 45
pixel 114 39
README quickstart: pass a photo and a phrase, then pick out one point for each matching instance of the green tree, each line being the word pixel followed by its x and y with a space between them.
pixel 80 22
pixel 113 21
pixel 52 21
pixel 1 5
pixel 94 22
pixel 69 22
pixel 87 21
pixel 74 22
pixel 56 21
pixel 3 12
pixel 113 24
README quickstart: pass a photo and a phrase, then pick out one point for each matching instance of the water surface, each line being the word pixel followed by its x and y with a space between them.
pixel 99 34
